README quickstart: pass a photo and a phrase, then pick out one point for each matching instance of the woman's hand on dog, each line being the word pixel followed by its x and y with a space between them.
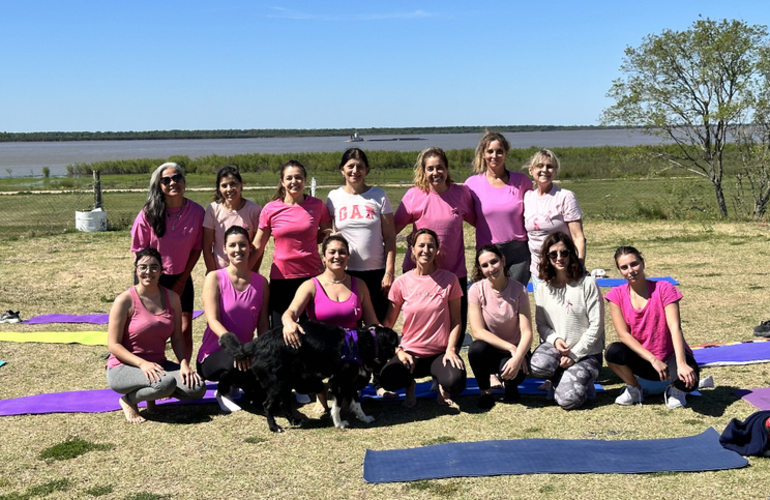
pixel 291 332
pixel 152 371
pixel 242 365
pixel 406 359
pixel 452 358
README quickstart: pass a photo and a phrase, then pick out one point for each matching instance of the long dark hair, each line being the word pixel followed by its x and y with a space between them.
pixel 229 170
pixel 280 193
pixel 477 274
pixel 546 271
pixel 155 207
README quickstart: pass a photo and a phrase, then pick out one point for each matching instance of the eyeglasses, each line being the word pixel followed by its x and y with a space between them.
pixel 176 178
pixel 154 268
pixel 558 253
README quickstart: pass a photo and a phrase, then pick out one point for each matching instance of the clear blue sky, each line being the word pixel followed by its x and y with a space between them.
pixel 155 65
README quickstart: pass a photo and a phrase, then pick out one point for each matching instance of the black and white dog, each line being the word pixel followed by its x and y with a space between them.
pixel 346 357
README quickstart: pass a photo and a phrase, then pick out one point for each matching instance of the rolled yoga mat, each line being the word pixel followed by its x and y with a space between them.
pixel 551 456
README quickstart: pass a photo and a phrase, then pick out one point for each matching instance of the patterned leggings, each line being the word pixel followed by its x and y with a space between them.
pixel 571 386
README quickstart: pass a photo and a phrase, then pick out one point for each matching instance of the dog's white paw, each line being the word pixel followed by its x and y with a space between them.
pixel 343 424
pixel 367 418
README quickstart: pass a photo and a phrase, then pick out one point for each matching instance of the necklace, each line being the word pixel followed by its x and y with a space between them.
pixel 178 216
pixel 337 282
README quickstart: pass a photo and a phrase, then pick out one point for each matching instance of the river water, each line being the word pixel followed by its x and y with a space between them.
pixel 21 159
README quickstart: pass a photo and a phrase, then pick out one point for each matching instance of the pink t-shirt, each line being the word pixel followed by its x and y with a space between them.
pixel 443 213
pixel 499 211
pixel 220 219
pixel 184 233
pixel 424 302
pixel 500 311
pixel 648 325
pixel 548 214
pixel 344 314
pixel 295 232
pixel 238 311
pixel 145 333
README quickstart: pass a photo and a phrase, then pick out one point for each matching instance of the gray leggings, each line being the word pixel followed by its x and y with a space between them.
pixel 129 380
pixel 572 386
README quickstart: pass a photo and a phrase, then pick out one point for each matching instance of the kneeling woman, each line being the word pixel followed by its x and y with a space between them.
pixel 235 300
pixel 430 299
pixel 646 316
pixel 142 319
pixel 498 309
pixel 334 297
pixel 570 321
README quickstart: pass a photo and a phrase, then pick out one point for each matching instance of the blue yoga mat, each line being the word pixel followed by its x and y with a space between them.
pixel 551 456
pixel 611 282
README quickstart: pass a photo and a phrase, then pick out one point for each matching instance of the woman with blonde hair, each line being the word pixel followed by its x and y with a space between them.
pixel 437 203
pixel 498 195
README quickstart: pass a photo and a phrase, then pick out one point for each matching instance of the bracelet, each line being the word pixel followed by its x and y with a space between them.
pixel 390 274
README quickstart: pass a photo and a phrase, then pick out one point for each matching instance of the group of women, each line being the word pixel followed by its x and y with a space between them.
pixel 521 232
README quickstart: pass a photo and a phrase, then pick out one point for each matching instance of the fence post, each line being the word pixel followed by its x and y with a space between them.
pixel 312 186
pixel 97 191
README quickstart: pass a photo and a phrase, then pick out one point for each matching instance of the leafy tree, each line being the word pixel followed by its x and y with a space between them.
pixel 693 87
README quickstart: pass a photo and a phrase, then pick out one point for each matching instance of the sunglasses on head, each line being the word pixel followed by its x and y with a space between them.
pixel 176 178
pixel 558 253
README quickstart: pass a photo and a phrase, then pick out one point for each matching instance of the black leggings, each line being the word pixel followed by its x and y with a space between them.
pixel 620 354
pixel 373 281
pixel 486 360
pixel 282 292
pixel 395 375
pixel 219 367
pixel 463 311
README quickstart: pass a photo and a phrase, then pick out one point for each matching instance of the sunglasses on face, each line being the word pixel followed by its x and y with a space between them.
pixel 558 253
pixel 176 178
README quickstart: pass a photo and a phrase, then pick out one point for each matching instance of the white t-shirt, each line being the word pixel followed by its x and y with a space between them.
pixel 359 218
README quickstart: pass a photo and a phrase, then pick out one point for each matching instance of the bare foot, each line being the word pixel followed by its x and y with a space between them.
pixel 411 399
pixel 443 398
pixel 386 394
pixel 321 409
pixel 152 407
pixel 494 382
pixel 130 411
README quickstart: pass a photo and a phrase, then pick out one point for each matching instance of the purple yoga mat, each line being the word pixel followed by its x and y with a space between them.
pixel 96 319
pixel 733 354
pixel 95 401
pixel 758 397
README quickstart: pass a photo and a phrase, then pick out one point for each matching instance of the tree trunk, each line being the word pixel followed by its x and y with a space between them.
pixel 720 197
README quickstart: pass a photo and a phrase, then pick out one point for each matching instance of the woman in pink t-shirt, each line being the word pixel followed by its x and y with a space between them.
pixel 646 317
pixel 501 324
pixel 549 209
pixel 235 300
pixel 298 223
pixel 142 320
pixel 430 299
pixel 228 209
pixel 173 225
pixel 334 297
pixel 437 203
pixel 498 195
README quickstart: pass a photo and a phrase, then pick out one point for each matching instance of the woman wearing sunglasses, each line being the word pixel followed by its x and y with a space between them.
pixel 549 209
pixel 570 321
pixel 172 224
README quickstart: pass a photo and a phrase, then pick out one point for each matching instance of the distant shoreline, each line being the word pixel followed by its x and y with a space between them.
pixel 161 135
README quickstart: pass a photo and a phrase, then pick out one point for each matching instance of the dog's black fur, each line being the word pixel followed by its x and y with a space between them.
pixel 281 368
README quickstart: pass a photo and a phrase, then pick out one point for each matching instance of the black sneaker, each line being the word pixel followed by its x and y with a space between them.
pixel 10 317
pixel 762 330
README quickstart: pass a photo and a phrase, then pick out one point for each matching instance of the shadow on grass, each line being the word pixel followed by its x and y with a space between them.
pixel 714 402
pixel 182 414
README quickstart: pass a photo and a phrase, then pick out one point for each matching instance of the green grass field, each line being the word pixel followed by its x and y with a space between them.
pixel 197 452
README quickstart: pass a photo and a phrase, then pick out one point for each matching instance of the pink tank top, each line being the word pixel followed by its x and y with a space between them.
pixel 238 311
pixel 344 314
pixel 145 333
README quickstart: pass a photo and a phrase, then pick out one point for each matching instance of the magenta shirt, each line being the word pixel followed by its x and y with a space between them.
pixel 238 311
pixel 295 232
pixel 344 314
pixel 648 325
pixel 424 303
pixel 176 245
pixel 145 333
pixel 443 213
pixel 499 211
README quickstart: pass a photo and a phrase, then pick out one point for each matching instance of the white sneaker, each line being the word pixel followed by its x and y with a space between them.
pixel 706 383
pixel 226 404
pixel 630 396
pixel 674 398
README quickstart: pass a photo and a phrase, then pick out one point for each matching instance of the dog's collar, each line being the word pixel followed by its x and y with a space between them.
pixel 373 331
pixel 351 347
